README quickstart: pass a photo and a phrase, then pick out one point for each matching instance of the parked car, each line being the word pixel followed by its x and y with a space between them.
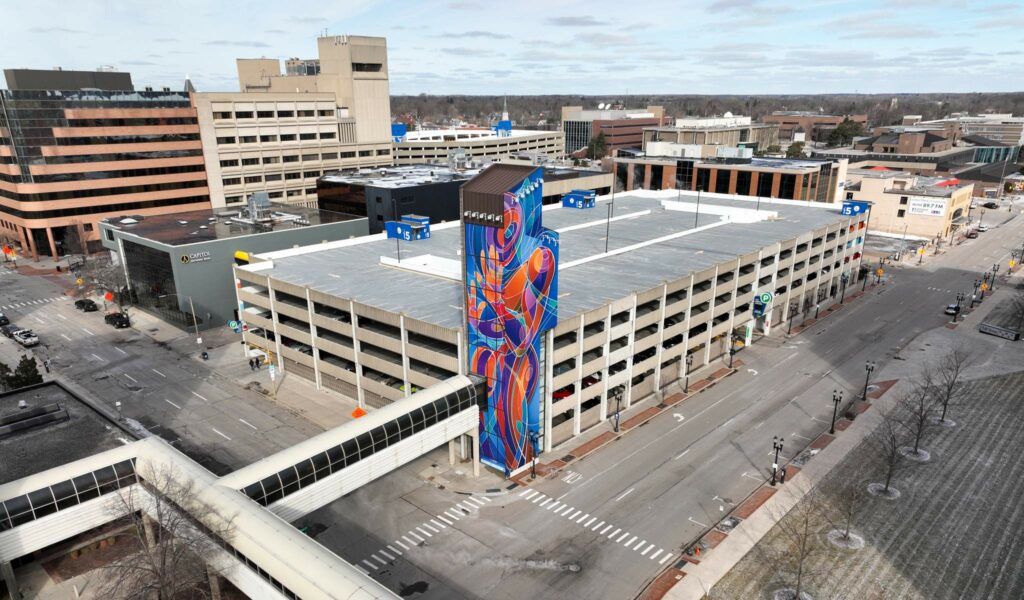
pixel 564 392
pixel 26 338
pixel 86 304
pixel 117 320
pixel 972 234
pixel 952 309
pixel 982 228
pixel 991 205
pixel 9 330
pixel 4 320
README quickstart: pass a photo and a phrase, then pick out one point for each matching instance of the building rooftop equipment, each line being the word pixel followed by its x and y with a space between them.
pixel 401 176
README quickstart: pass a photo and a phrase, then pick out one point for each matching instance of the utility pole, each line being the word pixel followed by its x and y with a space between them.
pixel 837 397
pixel 777 446
pixel 696 215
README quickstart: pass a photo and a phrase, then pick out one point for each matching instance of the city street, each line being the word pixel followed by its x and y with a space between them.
pixel 206 415
pixel 610 522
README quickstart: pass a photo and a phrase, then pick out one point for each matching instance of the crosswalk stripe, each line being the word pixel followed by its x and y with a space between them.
pixel 655 555
pixel 388 556
pixel 555 505
pixel 486 498
pixel 583 517
pixel 445 520
pixel 529 494
pixel 598 525
pixel 538 497
pixel 592 519
pixel 642 542
pixel 404 547
pixel 564 512
pixel 606 529
pixel 411 543
pixel 424 531
pixel 474 499
pixel 379 559
pixel 370 564
pixel 612 534
pixel 419 537
pixel 452 515
pixel 436 523
pixel 546 502
pixel 631 540
pixel 393 549
pixel 665 560
pixel 574 514
pixel 648 549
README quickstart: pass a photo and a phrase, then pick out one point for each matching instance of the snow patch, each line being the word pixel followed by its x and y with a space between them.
pixel 837 538
pixel 878 489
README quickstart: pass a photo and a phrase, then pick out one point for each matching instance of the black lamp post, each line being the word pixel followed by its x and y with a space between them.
pixel 793 306
pixel 837 397
pixel 974 294
pixel 843 279
pixel 696 215
pixel 732 347
pixel 995 271
pixel 777 445
pixel 689 363
pixel 618 410
pixel 960 296
pixel 869 366
pixel 533 444
pixel 984 284
pixel 864 282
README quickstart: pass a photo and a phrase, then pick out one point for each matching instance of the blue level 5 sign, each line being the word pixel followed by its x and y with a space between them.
pixel 851 208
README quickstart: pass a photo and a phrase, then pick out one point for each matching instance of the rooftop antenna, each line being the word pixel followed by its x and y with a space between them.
pixel 504 110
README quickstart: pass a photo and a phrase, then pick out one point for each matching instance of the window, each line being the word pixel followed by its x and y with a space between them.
pixel 903 199
pixel 87 227
pixel 231 162
pixel 325 113
pixel 349 154
pixel 293 175
pixel 264 114
pixel 310 191
pixel 313 174
pixel 306 113
pixel 367 67
pixel 222 115
pixel 268 138
pixel 247 162
pixel 274 194
pixel 285 114
pixel 287 137
pixel 271 160
pixel 306 157
pixel 293 193
pixel 247 139
pixel 274 177
pixel 232 199
pixel 290 159
pixel 245 114
pixel 307 136
pixel 366 153
pixel 329 155
pixel 328 135
pixel 230 181
pixel 383 152
pixel 253 179
pixel 901 213
pixel 225 140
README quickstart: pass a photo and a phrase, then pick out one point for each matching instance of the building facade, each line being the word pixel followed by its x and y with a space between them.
pixel 735 132
pixel 479 145
pixel 622 128
pixel 816 127
pixel 904 141
pixel 280 133
pixel 621 334
pixel 70 158
pixel 1003 128
pixel 907 204
pixel 790 179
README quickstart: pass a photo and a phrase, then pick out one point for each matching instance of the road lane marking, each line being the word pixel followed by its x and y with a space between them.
pixel 445 520
pixel 200 397
pixel 221 434
pixel 395 550
pixel 564 511
pixel 592 519
pixel 87 331
pixel 727 422
pixel 612 534
pixel 681 454
pixel 404 547
pixel 431 527
pixel 379 559
pixel 796 435
pixel 386 555
pixel 369 564
pixel 692 520
pixel 631 540
pixel 627 492
pixel 642 542
pixel 748 476
pixel 583 517
pixel 98 357
pixel 411 543
pixel 62 316
pixel 655 555
pixel 665 560
pixel 624 536
pixel 172 404
pixel 158 372
pixel 248 423
pixel 434 521
pixel 648 549
pixel 424 532
pixel 575 514
pixel 605 530
pixel 474 499
pixel 530 492
pixel 486 499
pixel 546 502
pixel 452 515
pixel 419 537
pixel 120 350
pixel 758 426
pixel 65 337
pixel 555 505
pixel 538 497
pixel 38 319
pixel 594 528
pixel 130 377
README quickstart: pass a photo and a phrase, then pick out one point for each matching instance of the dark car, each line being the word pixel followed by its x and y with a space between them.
pixel 991 205
pixel 87 305
pixel 972 234
pixel 4 320
pixel 118 320
pixel 9 330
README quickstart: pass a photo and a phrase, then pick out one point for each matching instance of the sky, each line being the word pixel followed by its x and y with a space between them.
pixel 549 47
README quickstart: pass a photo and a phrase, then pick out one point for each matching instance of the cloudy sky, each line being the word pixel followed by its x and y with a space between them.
pixel 551 46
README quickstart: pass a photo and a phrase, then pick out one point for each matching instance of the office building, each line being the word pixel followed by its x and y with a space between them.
pixel 476 145
pixel 814 126
pixel 923 163
pixel 727 131
pixel 74 154
pixel 621 127
pixel 282 132
pixel 924 208
pixel 598 334
pixel 1003 128
pixel 903 140
pixel 178 267
pixel 786 178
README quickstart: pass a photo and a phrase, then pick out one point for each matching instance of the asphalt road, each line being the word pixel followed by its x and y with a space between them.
pixel 609 523
pixel 210 417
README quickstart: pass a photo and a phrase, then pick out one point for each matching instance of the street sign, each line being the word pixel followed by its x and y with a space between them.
pixel 1013 264
pixel 921 250
pixel 983 287
pixel 879 271
pixel 80 281
pixel 766 297
pixel 233 324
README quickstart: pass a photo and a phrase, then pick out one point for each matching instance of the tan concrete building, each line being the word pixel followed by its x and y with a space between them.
pixel 283 131
pixel 815 127
pixel 906 204
pixel 729 131
pixel 904 141
pixel 435 145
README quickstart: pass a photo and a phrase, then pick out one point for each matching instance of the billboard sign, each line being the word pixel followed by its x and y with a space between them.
pixel 931 207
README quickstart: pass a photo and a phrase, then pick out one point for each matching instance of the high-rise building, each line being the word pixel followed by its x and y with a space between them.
pixel 77 147
pixel 283 131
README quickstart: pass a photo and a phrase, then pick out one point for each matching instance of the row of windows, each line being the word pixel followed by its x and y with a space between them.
pixel 284 137
pixel 88 158
pixel 269 177
pixel 59 496
pixel 91 175
pixel 127 139
pixel 349 452
pixel 111 191
pixel 269 114
pixel 291 158
pixel 131 122
pixel 120 207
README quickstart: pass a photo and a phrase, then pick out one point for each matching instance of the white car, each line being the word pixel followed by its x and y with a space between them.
pixel 982 228
pixel 26 338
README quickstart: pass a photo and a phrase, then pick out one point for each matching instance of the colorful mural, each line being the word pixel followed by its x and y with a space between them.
pixel 511 299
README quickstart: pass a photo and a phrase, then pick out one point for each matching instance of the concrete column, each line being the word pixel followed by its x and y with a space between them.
pixel 25 247
pixel 312 340
pixel 214 585
pixel 451 451
pixel 475 435
pixel 53 246
pixel 81 236
pixel 12 582
pixel 463 450
pixel 32 245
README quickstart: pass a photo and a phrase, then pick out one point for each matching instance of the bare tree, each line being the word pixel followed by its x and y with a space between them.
pixel 74 239
pixel 107 277
pixel 797 543
pixel 948 375
pixel 885 442
pixel 849 501
pixel 917 408
pixel 176 536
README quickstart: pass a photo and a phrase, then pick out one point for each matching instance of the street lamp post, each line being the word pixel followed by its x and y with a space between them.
pixel 696 215
pixel 192 307
pixel 864 281
pixel 869 366
pixel 618 411
pixel 689 363
pixel 777 446
pixel 995 271
pixel 732 347
pixel 118 405
pixel 793 306
pixel 837 397
pixel 533 444
pixel 843 279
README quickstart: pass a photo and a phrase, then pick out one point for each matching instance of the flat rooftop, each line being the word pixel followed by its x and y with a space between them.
pixel 468 135
pixel 84 433
pixel 400 176
pixel 649 243
pixel 756 163
pixel 207 225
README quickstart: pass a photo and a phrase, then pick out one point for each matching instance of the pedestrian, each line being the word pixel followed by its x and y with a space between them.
pixel 252 364
pixel 46 365
pixel 259 359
